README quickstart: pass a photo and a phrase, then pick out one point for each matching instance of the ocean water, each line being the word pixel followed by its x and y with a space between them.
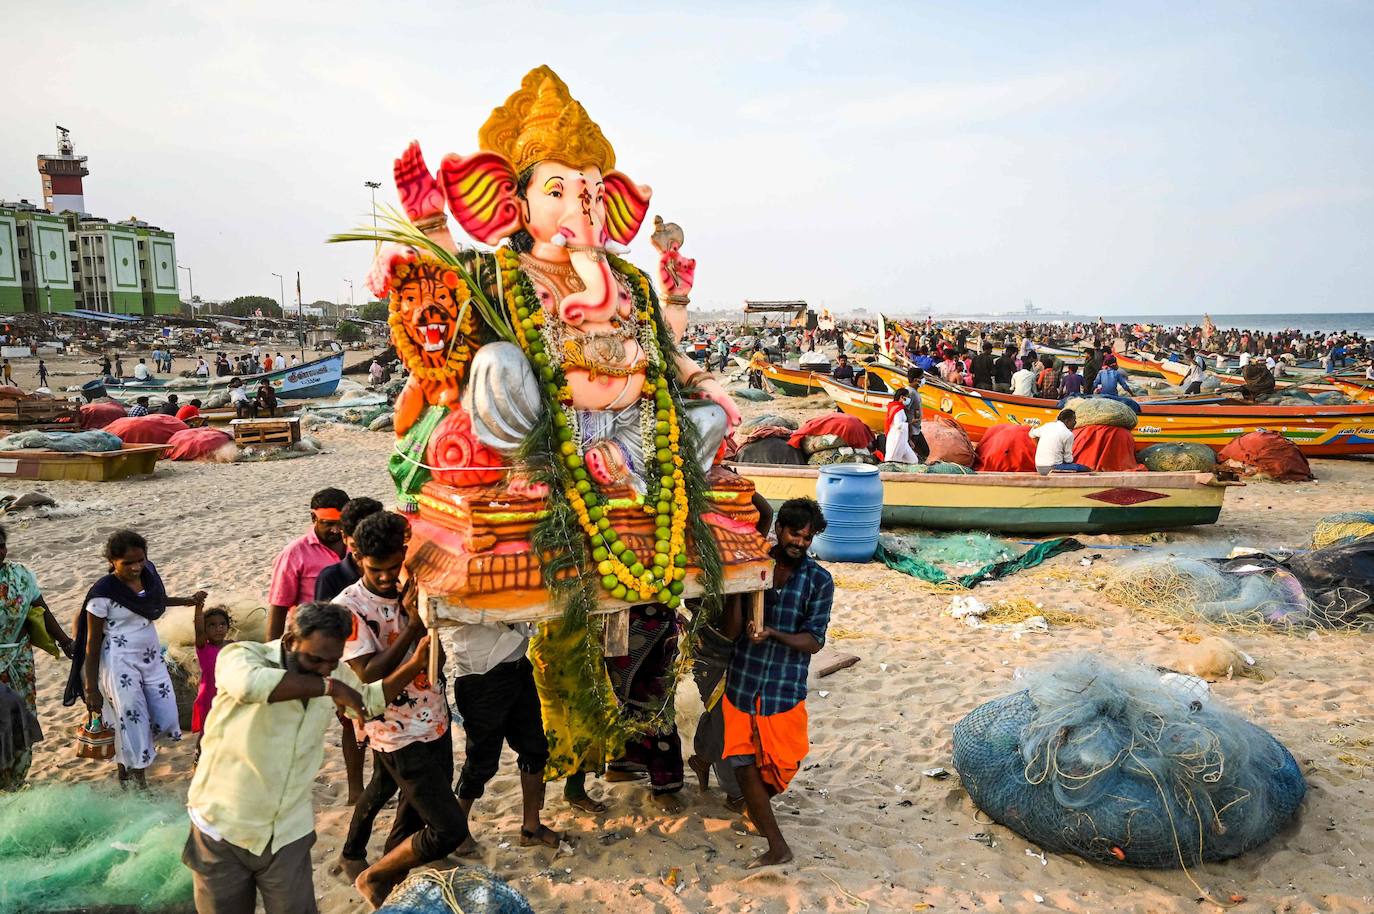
pixel 1354 322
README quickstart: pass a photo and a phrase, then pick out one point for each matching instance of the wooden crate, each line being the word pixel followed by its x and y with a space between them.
pixel 17 415
pixel 281 432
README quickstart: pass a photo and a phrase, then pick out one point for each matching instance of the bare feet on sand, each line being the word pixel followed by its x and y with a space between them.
pixel 469 849
pixel 613 776
pixel 667 802
pixel 543 835
pixel 703 771
pixel 373 890
pixel 772 857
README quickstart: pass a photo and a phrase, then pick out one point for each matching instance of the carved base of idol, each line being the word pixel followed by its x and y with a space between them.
pixel 470 547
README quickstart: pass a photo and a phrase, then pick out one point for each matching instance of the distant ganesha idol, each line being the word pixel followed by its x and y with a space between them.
pixel 547 396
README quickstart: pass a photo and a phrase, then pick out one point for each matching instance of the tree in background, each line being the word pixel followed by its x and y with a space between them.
pixel 247 306
pixel 375 311
pixel 350 332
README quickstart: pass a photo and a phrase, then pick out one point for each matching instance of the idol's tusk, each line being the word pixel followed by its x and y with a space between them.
pixel 617 248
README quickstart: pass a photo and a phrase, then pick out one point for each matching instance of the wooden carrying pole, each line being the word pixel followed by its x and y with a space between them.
pixel 756 610
pixel 432 624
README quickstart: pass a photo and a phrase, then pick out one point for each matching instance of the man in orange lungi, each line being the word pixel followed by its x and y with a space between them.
pixel 765 689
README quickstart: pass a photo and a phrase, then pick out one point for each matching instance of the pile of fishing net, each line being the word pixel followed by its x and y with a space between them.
pixel 66 442
pixel 1203 590
pixel 898 556
pixel 462 890
pixel 1268 455
pixel 966 549
pixel 1335 529
pixel 825 450
pixel 255 453
pixel 72 846
pixel 939 468
pixel 1102 411
pixel 1332 587
pixel 1173 458
pixel 1109 762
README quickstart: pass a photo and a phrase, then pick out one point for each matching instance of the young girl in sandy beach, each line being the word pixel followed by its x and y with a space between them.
pixel 212 632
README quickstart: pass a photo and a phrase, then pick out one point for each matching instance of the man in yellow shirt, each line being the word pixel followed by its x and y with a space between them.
pixel 252 822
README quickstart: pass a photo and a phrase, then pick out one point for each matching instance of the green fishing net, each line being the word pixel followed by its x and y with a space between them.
pixel 72 846
pixel 966 549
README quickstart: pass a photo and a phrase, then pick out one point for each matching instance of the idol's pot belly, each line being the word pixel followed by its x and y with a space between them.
pixel 604 392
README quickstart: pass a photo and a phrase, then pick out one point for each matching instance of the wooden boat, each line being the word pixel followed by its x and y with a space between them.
pixel 1317 431
pixel 223 415
pixel 87 466
pixel 1175 372
pixel 318 378
pixel 862 343
pixel 1023 502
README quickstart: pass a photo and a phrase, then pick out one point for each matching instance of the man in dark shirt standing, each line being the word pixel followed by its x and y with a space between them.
pixel 765 689
pixel 1091 366
pixel 1003 367
pixel 984 365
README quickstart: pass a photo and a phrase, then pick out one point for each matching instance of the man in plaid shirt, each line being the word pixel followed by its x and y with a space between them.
pixel 765 689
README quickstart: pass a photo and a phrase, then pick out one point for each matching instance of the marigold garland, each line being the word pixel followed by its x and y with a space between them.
pixel 625 575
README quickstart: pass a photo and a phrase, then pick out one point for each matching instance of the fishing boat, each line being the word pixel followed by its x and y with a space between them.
pixel 318 378
pixel 862 343
pixel 1175 372
pixel 85 466
pixel 1317 431
pixel 1023 502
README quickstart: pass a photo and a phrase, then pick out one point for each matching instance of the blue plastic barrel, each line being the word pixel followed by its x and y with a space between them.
pixel 851 497
pixel 93 390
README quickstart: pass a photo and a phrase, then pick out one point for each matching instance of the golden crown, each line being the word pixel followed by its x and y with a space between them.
pixel 541 121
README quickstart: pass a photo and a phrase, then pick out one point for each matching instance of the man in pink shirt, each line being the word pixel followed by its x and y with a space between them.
pixel 300 563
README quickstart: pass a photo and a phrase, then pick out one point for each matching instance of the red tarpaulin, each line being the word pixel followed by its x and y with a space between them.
pixel 1267 453
pixel 850 429
pixel 1107 448
pixel 948 441
pixel 196 444
pixel 99 415
pixel 151 429
pixel 1006 448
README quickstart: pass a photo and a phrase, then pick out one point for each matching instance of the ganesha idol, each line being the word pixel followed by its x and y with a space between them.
pixel 548 402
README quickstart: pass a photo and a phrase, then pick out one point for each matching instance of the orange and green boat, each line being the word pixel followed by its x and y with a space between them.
pixel 1317 431
pixel 1023 502
pixel 1175 372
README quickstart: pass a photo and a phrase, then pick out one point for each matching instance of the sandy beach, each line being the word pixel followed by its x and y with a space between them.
pixel 870 832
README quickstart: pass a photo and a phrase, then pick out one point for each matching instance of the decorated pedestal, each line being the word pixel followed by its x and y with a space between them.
pixel 555 451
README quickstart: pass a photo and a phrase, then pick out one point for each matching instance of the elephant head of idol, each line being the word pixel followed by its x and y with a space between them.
pixel 545 179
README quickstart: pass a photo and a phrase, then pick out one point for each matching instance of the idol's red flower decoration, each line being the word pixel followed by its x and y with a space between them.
pixel 461 459
pixel 389 256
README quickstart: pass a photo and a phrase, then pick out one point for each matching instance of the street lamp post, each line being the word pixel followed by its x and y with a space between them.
pixel 373 185
pixel 350 296
pixel 282 283
pixel 191 282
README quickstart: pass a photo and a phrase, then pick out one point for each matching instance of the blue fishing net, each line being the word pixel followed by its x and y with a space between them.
pixel 462 890
pixel 1113 764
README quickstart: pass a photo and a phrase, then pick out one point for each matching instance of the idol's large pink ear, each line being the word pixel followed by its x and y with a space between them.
pixel 627 203
pixel 481 195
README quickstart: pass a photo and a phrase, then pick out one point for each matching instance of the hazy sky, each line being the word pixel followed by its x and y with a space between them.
pixel 1154 157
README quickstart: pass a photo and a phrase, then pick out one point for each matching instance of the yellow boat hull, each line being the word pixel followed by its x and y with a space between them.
pixel 1023 502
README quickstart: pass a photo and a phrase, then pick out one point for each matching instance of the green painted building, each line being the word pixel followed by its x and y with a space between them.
pixel 157 266
pixel 36 272
pixel 109 276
